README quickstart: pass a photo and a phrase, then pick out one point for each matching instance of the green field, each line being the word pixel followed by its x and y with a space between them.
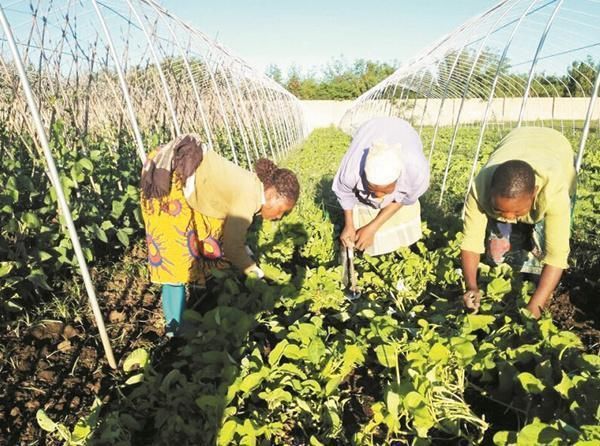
pixel 290 361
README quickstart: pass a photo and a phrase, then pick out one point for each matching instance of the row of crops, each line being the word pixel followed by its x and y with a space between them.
pixel 101 81
pixel 290 361
pixel 100 178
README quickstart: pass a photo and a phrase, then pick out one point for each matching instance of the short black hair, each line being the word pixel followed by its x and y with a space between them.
pixel 513 179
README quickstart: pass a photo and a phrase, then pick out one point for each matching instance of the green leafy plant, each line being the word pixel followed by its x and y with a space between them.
pixel 291 361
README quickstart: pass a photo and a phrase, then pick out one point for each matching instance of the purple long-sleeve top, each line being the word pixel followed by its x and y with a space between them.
pixel 350 184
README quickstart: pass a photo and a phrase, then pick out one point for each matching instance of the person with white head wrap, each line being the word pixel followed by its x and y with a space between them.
pixel 383 164
pixel 378 185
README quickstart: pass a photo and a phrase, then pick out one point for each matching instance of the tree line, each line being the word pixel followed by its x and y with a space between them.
pixel 338 80
pixel 457 71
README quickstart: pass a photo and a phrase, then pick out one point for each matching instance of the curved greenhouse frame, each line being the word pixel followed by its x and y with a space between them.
pixel 533 62
pixel 91 86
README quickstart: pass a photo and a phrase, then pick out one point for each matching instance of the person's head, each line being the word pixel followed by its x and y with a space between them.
pixel 379 191
pixel 513 189
pixel 281 189
pixel 383 167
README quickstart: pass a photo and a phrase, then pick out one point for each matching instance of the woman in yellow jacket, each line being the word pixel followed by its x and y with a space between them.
pixel 197 207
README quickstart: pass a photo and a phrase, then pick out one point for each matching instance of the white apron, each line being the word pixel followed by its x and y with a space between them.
pixel 402 229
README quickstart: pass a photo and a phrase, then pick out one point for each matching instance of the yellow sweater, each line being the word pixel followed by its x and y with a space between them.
pixel 550 155
pixel 227 191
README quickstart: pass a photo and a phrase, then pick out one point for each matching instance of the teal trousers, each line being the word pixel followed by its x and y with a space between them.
pixel 173 303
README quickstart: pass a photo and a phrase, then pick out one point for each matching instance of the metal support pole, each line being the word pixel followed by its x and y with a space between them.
pixel 190 73
pixel 588 120
pixel 246 115
pixel 279 128
pixel 443 99
pixel 250 88
pixel 427 96
pixel 462 101
pixel 55 180
pixel 124 88
pixel 236 114
pixel 535 59
pixel 223 112
pixel 161 74
pixel 491 97
pixel 270 126
pixel 417 92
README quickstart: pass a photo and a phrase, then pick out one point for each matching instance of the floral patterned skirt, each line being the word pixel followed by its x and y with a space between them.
pixel 183 245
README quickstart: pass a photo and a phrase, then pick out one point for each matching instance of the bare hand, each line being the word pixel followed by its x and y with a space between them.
pixel 256 273
pixel 348 236
pixel 365 237
pixel 472 300
pixel 535 310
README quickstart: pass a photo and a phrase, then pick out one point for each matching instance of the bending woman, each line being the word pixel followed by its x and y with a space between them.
pixel 378 185
pixel 197 208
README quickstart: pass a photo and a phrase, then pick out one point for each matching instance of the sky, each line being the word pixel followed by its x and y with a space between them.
pixel 310 33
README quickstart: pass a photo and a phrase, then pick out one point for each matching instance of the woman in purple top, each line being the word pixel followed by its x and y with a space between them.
pixel 378 186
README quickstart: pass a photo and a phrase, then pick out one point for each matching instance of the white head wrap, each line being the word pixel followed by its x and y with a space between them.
pixel 383 165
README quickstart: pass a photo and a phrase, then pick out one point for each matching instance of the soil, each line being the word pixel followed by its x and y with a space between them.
pixel 59 366
pixel 365 390
pixel 574 308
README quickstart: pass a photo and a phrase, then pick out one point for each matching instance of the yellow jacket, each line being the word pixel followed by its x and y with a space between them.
pixel 226 191
pixel 550 155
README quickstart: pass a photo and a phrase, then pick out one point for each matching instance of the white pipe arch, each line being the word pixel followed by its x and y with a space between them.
pixel 120 71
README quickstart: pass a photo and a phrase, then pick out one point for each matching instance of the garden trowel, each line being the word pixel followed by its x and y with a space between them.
pixel 348 273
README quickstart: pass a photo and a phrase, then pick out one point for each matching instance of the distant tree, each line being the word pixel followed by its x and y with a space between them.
pixel 337 80
pixel 341 80
pixel 581 76
pixel 274 72
pixel 371 73
pixel 545 85
pixel 309 87
pixel 294 82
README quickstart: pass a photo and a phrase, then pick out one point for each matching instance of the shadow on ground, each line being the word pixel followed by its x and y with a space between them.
pixel 187 389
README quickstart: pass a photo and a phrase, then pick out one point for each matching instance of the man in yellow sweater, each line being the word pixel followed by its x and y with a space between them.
pixel 519 211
